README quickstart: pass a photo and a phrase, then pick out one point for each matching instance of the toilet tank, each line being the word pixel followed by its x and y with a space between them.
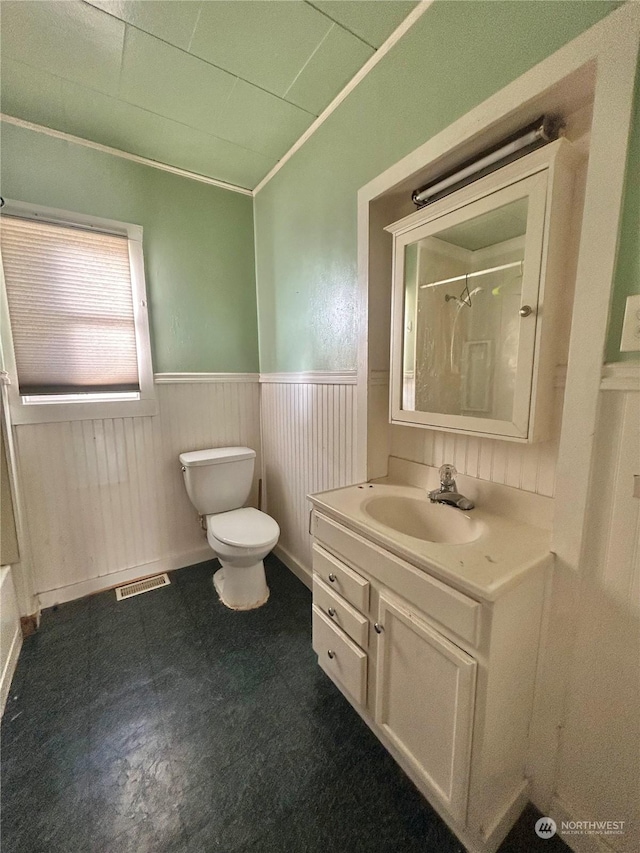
pixel 219 479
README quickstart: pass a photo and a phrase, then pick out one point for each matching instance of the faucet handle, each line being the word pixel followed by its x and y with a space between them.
pixel 447 475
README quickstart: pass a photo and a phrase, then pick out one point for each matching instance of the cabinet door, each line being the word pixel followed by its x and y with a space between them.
pixel 425 690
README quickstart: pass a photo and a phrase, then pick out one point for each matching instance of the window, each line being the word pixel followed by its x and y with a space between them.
pixel 76 343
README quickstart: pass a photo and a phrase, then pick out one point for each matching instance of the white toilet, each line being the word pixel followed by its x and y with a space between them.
pixel 218 482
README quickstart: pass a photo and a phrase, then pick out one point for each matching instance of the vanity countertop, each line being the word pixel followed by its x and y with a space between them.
pixel 486 567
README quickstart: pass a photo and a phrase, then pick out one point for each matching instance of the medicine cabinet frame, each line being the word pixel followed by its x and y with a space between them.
pixel 545 179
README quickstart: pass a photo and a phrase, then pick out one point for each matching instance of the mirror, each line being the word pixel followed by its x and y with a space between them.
pixel 462 297
pixel 475 302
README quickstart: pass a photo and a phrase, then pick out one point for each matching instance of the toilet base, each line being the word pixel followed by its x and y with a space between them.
pixel 241 587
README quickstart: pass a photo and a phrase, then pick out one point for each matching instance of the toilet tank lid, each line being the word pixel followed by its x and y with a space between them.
pixel 215 455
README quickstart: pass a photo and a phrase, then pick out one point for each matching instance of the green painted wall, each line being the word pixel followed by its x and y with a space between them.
pixel 198 244
pixel 455 56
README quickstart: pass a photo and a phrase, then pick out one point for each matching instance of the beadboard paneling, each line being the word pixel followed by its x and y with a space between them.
pixel 308 436
pixel 530 467
pixel 597 765
pixel 613 544
pixel 105 496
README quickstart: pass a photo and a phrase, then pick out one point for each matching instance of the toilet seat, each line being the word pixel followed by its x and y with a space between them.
pixel 243 528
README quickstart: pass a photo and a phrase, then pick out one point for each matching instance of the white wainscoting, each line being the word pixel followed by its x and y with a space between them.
pixel 308 436
pixel 530 467
pixel 104 499
pixel 598 759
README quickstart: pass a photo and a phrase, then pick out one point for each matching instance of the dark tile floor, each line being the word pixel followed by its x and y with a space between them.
pixel 168 723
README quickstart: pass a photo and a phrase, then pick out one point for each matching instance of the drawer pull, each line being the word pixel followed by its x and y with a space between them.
pixel 331 611
pixel 331 654
pixel 378 628
pixel 332 578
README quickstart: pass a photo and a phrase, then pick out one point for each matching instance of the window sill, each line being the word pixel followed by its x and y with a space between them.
pixel 44 413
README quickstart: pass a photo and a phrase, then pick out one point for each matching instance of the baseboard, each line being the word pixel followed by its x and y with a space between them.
pixel 299 570
pixel 560 812
pixel 508 815
pixel 166 564
pixel 10 668
pixel 91 585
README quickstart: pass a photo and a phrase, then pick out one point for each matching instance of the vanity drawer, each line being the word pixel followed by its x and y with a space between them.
pixel 341 578
pixel 453 610
pixel 340 612
pixel 341 659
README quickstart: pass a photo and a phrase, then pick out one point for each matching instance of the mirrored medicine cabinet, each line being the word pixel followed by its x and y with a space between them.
pixel 475 301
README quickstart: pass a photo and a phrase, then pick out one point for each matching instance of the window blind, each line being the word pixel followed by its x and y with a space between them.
pixel 71 308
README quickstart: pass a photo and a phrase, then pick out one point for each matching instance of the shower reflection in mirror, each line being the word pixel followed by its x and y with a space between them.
pixel 462 290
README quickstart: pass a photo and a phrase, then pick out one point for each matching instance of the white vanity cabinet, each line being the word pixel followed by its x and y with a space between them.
pixel 444 680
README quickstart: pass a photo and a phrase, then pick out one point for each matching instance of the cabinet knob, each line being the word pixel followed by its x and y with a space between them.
pixel 378 628
pixel 332 578
pixel 525 311
pixel 331 654
pixel 331 612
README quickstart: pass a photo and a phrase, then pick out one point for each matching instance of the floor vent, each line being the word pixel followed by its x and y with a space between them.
pixel 138 587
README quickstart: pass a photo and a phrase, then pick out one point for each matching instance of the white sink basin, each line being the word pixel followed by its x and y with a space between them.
pixel 423 520
pixel 478 551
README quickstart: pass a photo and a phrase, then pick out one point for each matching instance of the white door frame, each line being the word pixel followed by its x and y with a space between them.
pixel 22 571
pixel 609 50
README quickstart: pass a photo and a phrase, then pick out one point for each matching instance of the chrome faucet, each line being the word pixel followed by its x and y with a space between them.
pixel 448 491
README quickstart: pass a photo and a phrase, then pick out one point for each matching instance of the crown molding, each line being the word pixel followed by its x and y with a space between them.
pixel 124 155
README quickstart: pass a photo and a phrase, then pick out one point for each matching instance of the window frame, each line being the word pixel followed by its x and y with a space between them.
pixel 52 412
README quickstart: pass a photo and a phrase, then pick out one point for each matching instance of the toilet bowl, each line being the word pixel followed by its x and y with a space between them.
pixel 241 539
pixel 218 482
